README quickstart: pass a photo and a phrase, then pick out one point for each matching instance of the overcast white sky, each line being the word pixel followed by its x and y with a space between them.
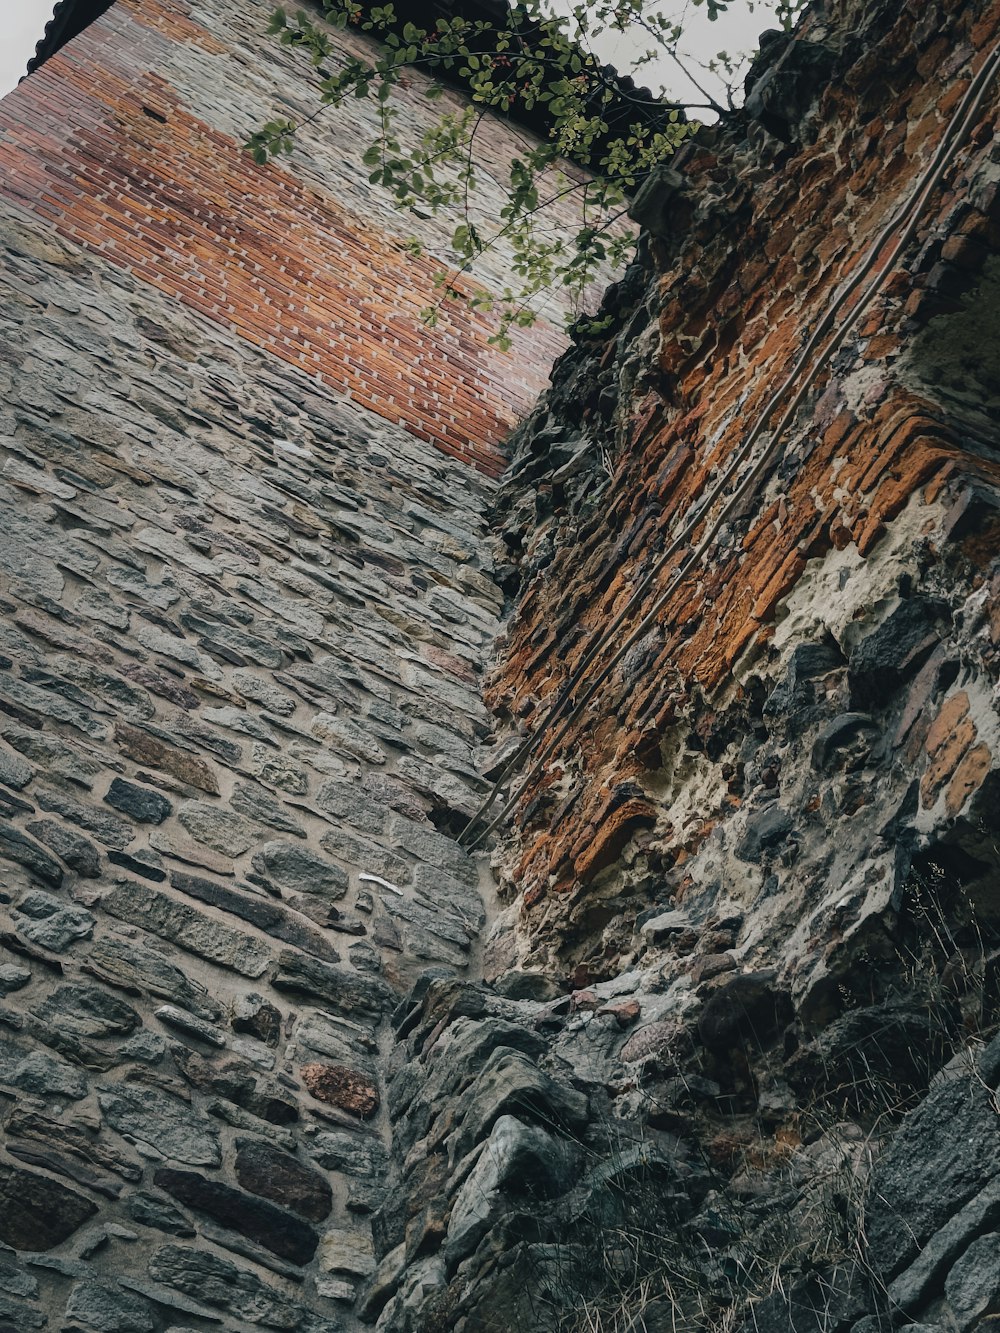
pixel 22 23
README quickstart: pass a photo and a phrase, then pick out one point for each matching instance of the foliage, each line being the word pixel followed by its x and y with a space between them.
pixel 602 136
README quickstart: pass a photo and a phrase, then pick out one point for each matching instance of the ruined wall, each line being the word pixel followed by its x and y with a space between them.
pixel 736 1066
pixel 841 607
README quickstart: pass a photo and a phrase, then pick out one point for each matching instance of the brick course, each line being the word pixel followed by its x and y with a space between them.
pixel 102 144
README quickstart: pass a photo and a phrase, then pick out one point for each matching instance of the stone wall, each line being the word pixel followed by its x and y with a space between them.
pixel 733 1061
pixel 781 692
pixel 246 599
pixel 243 622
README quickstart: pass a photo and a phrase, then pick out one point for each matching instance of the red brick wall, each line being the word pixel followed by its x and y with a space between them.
pixel 102 144
pixel 768 235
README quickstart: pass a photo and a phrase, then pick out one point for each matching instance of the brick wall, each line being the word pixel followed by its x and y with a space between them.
pixel 129 142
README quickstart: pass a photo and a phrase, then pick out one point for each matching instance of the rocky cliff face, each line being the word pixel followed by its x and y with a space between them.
pixel 748 867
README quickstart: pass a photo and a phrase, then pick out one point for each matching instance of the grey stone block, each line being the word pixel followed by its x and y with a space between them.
pixel 972 1288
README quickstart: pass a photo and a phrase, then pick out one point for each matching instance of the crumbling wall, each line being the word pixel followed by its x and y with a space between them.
pixel 246 597
pixel 799 616
pixel 736 1063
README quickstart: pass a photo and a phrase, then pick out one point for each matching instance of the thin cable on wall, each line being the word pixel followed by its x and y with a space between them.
pixel 910 211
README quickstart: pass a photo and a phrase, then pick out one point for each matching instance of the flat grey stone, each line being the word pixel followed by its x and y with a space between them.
pixel 145 1047
pixel 298 870
pixel 231 1114
pixel 346 990
pixel 38 1213
pixel 426 844
pixel 264 692
pixel 15 1310
pixel 99 606
pixel 323 1034
pixel 369 857
pixel 348 801
pixel 109 1310
pixel 45 1076
pixel 194 1027
pixel 89 1011
pixel 346 737
pixel 238 719
pixel 13 977
pixel 16 846
pixel 277 770
pixel 49 704
pixel 106 828
pixel 972 1288
pixel 50 922
pixel 51 753
pixel 177 649
pixel 918 1282
pixel 353 1153
pixel 216 827
pixel 152 1210
pixel 170 1301
pixel 250 646
pixel 15 771
pixel 218 1282
pixel 192 930
pixel 261 912
pixel 139 967
pixel 937 1161
pixel 125 699
pixel 78 852
pixel 457 896
pixel 16 1282
pixel 260 805
pixel 281 1232
pixel 142 804
pixel 161 1120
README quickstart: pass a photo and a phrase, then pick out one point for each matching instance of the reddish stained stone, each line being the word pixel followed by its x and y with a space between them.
pixel 650 1040
pixel 624 1014
pixel 946 757
pixel 968 778
pixel 344 1088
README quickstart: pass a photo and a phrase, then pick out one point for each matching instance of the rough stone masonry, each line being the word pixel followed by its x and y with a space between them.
pixel 716 1047
pixel 246 597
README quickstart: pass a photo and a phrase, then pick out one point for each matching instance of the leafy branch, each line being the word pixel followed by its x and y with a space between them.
pixel 602 136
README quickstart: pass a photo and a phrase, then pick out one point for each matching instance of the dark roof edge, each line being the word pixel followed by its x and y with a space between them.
pixel 69 18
